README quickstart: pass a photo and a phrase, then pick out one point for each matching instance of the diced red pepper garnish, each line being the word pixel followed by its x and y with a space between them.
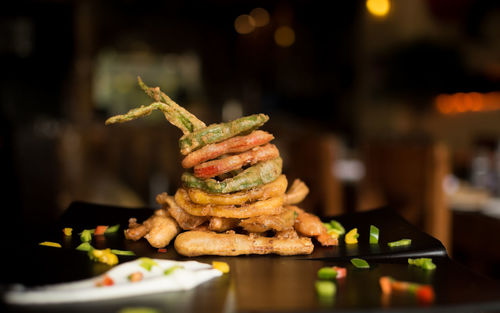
pixel 425 294
pixel 162 250
pixel 106 281
pixel 135 276
pixel 99 230
pixel 341 271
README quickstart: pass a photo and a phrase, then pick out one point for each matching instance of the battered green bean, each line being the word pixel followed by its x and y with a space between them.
pixel 259 174
pixel 219 132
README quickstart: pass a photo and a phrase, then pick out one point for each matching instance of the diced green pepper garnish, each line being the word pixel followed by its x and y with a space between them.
pixel 338 227
pixel 112 229
pixel 122 252
pixel 84 246
pixel 374 232
pixel 328 226
pixel 147 263
pixel 360 263
pixel 171 269
pixel 425 263
pixel 325 288
pixel 86 235
pixel 399 243
pixel 327 273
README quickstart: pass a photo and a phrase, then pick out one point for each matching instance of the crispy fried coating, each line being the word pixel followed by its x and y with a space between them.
pixel 185 220
pixel 159 229
pixel 222 224
pixel 297 192
pixel 263 223
pixel 232 145
pixel 310 225
pixel 270 206
pixel 230 163
pixel 272 189
pixel 195 243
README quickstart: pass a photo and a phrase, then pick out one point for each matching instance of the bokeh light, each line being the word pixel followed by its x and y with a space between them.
pixel 260 16
pixel 284 36
pixel 378 8
pixel 244 24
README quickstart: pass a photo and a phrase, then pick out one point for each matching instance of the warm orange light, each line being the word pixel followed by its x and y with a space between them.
pixel 244 24
pixel 284 36
pixel 378 8
pixel 260 16
pixel 467 102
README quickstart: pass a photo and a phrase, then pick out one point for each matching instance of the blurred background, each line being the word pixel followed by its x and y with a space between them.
pixel 372 103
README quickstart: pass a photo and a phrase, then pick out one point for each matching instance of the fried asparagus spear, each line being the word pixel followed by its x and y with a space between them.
pixel 174 113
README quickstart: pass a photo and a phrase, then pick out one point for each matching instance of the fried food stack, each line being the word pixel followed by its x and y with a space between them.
pixel 234 198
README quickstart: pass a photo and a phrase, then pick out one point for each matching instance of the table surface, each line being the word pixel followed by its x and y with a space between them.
pixel 261 283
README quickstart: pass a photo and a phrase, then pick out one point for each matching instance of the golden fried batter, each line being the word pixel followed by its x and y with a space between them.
pixel 263 223
pixel 159 229
pixel 195 243
pixel 297 192
pixel 270 206
pixel 272 189
pixel 185 220
pixel 310 225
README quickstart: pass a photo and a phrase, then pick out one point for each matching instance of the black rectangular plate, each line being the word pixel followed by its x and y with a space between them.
pixel 259 283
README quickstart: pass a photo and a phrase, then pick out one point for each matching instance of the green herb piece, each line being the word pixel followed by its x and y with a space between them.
pixel 84 246
pixel 425 263
pixel 374 233
pixel 360 263
pixel 327 273
pixel 338 227
pixel 147 263
pixel 399 243
pixel 171 269
pixel 122 252
pixel 86 235
pixel 325 288
pixel 112 229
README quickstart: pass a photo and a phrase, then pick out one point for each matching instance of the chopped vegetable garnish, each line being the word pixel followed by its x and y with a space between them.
pixel 162 250
pixel 112 229
pixel 147 263
pixel 424 293
pixel 221 266
pixel 172 269
pixel 50 244
pixel 341 271
pixel 337 226
pixel 67 231
pixel 325 288
pixel 360 263
pixel 86 235
pixel 122 252
pixel 333 233
pixel 424 263
pixel 84 246
pixel 327 273
pixel 106 281
pixel 135 276
pixel 374 232
pixel 328 226
pixel 103 256
pixel 99 230
pixel 352 236
pixel 399 243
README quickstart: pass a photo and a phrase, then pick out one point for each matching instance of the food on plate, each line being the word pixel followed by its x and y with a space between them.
pixel 195 243
pixel 399 243
pixel 374 234
pixel 424 263
pixel 352 236
pixel 234 197
pixel 50 244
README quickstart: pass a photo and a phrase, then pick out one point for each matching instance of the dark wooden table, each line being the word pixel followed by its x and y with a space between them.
pixel 262 283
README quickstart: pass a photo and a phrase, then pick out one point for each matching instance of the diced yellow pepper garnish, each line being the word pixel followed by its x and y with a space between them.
pixel 352 236
pixel 221 266
pixel 50 244
pixel 67 231
pixel 333 233
pixel 105 256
